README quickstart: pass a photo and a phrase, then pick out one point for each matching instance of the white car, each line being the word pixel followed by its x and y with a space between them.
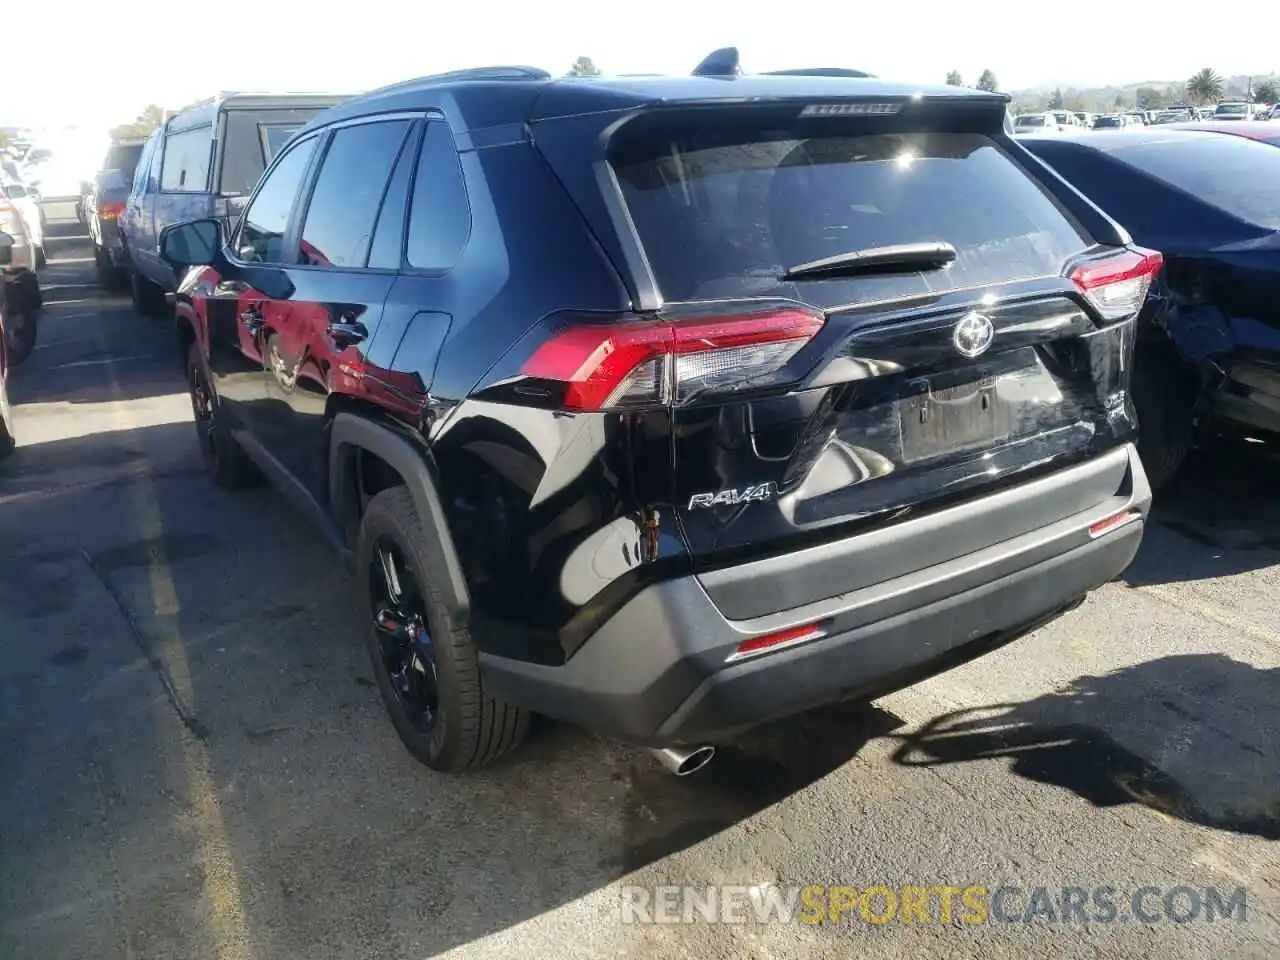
pixel 25 254
pixel 28 207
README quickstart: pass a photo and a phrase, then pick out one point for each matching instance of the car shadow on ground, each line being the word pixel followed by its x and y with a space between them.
pixel 330 829
pixel 1220 516
pixel 1131 736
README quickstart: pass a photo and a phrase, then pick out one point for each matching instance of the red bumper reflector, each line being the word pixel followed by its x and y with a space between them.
pixel 772 641
pixel 1110 523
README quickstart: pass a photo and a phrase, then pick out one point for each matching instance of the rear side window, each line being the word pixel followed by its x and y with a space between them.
pixel 723 215
pixel 251 138
pixel 185 167
pixel 348 192
pixel 1238 176
pixel 387 250
pixel 440 215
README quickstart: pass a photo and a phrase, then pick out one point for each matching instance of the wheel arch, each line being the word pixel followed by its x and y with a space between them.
pixel 349 434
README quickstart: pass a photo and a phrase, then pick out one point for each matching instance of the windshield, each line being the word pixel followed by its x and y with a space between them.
pixel 1036 121
pixel 1241 177
pixel 721 217
pixel 1225 109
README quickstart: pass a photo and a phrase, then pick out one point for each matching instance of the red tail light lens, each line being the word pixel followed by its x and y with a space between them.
pixel 1117 286
pixel 646 362
pixel 110 211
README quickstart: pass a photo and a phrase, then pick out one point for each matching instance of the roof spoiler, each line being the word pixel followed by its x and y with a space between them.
pixel 725 62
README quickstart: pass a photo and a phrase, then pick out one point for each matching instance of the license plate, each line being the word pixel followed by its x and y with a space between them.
pixel 936 421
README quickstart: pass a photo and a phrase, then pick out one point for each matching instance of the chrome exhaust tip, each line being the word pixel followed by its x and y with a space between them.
pixel 683 761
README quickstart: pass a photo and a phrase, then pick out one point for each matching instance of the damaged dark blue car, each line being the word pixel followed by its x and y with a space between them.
pixel 1208 351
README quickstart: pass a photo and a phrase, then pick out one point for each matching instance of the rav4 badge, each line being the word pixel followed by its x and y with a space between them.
pixel 756 493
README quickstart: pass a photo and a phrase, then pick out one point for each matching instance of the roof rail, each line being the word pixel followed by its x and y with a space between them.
pixel 818 72
pixel 489 73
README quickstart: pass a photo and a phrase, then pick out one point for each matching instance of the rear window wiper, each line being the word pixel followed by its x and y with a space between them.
pixel 897 258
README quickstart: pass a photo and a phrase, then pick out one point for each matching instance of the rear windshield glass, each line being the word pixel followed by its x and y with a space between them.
pixel 253 138
pixel 1238 176
pixel 1031 121
pixel 1107 122
pixel 123 157
pixel 720 215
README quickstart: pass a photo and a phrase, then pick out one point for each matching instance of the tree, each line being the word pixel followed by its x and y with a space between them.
pixel 584 67
pixel 152 115
pixel 987 81
pixel 1266 92
pixel 1151 98
pixel 953 79
pixel 1055 100
pixel 1204 86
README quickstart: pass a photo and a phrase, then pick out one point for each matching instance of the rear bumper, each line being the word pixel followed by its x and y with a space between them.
pixel 661 670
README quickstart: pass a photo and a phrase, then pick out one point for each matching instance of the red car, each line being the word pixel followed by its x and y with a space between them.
pixel 1267 131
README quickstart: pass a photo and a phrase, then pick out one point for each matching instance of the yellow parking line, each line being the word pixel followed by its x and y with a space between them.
pixel 229 934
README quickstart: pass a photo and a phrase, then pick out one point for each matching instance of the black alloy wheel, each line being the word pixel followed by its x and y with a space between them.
pixel 400 623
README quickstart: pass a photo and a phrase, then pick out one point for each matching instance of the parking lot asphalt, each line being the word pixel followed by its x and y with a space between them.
pixel 194 762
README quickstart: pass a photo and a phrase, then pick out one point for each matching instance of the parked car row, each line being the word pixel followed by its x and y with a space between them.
pixel 608 388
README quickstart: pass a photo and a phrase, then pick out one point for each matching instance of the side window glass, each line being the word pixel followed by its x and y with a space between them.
pixel 387 251
pixel 440 217
pixel 144 166
pixel 344 204
pixel 186 161
pixel 266 221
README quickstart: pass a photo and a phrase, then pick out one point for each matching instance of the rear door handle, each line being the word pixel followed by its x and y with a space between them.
pixel 346 332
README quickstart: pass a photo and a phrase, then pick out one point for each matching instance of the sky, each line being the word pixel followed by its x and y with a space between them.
pixel 165 57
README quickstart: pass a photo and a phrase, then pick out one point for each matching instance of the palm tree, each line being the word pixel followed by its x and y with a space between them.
pixel 1204 86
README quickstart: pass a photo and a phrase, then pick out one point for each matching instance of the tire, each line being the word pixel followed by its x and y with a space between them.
pixel 224 459
pixel 20 336
pixel 108 273
pixel 7 441
pixel 1165 428
pixel 469 727
pixel 148 299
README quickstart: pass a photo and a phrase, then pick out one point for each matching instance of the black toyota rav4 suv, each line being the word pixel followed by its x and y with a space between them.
pixel 668 406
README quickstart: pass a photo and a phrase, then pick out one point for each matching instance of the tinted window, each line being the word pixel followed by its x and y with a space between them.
pixel 720 215
pixel 251 140
pixel 440 217
pixel 1238 176
pixel 1031 121
pixel 1102 122
pixel 14 191
pixel 266 221
pixel 144 165
pixel 123 157
pixel 185 167
pixel 348 192
pixel 387 251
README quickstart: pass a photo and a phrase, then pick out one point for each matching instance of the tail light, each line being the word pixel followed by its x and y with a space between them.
pixel 1117 286
pixel 110 211
pixel 651 362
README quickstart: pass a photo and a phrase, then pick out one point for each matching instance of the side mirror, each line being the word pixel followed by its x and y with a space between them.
pixel 194 244
pixel 6 249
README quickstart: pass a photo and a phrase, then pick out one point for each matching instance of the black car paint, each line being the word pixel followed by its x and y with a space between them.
pixel 517 491
pixel 1215 306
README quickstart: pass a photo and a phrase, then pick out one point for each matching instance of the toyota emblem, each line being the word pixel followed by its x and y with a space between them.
pixel 973 335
